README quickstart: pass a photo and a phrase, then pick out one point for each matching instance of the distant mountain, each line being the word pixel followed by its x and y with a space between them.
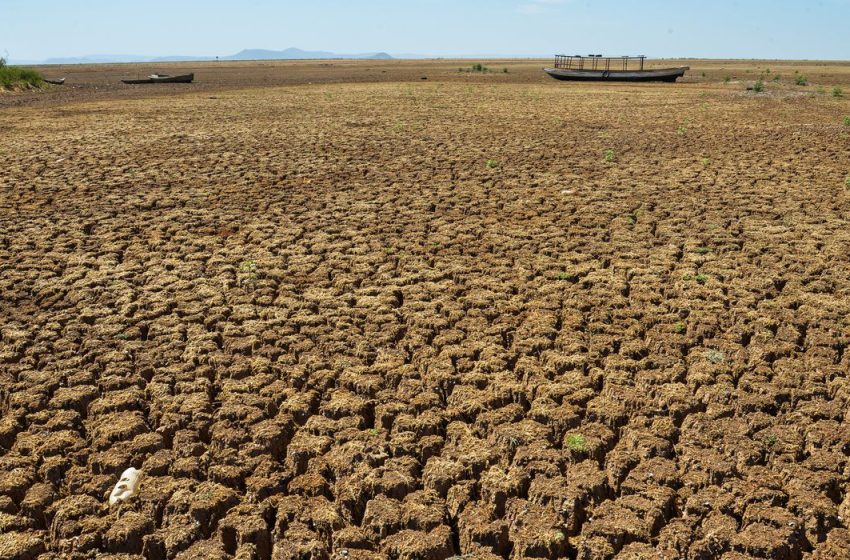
pixel 248 54
pixel 97 58
pixel 298 54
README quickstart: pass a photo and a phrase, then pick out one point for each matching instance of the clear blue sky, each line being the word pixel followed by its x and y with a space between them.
pixel 38 29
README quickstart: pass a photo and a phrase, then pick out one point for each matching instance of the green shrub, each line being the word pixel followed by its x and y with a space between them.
pixel 801 80
pixel 610 156
pixel 837 92
pixel 13 76
pixel 846 121
pixel 492 163
pixel 758 87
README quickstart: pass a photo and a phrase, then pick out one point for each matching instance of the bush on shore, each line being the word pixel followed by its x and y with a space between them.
pixel 15 76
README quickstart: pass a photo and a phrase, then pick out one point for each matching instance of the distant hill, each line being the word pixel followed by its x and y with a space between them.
pixel 298 54
pixel 247 54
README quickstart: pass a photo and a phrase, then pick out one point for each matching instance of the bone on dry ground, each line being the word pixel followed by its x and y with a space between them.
pixel 324 327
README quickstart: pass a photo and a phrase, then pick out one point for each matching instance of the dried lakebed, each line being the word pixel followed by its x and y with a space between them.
pixel 417 321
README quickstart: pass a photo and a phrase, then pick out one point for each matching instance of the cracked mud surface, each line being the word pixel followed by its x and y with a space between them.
pixel 325 327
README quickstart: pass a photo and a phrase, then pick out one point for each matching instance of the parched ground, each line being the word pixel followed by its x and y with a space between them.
pixel 424 319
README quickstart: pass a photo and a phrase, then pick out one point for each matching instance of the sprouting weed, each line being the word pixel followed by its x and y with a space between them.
pixel 248 266
pixel 558 536
pixel 248 270
pixel 701 278
pixel 679 328
pixel 770 440
pixel 576 442
pixel 567 276
pixel 714 356
pixel 610 156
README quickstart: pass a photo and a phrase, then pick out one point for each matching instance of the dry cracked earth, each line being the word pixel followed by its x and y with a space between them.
pixel 425 320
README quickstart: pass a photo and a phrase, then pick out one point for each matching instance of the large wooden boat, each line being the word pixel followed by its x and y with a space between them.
pixel 611 69
pixel 163 79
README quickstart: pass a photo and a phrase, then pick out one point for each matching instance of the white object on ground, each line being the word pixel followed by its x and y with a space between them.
pixel 127 487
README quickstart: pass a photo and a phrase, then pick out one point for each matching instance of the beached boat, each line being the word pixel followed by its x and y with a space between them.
pixel 163 79
pixel 56 82
pixel 611 69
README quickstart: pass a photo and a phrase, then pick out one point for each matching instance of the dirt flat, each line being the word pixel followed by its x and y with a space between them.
pixel 354 314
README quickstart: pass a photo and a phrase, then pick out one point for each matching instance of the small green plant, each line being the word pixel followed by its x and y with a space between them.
pixel 801 80
pixel 374 431
pixel 480 68
pixel 558 536
pixel 847 181
pixel 632 218
pixel 837 92
pixel 248 270
pixel 770 440
pixel 777 77
pixel 567 276
pixel 758 87
pixel 610 156
pixel 706 161
pixel 701 278
pixel 504 70
pixel 679 328
pixel 492 163
pixel 683 128
pixel 576 442
pixel 727 79
pixel 714 356
pixel 248 266
pixel 702 250
pixel 846 121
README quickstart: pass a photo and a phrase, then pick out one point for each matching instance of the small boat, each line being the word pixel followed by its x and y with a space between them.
pixel 56 82
pixel 595 67
pixel 163 79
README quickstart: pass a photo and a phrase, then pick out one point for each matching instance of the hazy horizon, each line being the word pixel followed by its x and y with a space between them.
pixel 755 29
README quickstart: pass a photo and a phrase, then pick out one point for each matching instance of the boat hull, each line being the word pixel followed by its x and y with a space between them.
pixel 155 79
pixel 659 75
